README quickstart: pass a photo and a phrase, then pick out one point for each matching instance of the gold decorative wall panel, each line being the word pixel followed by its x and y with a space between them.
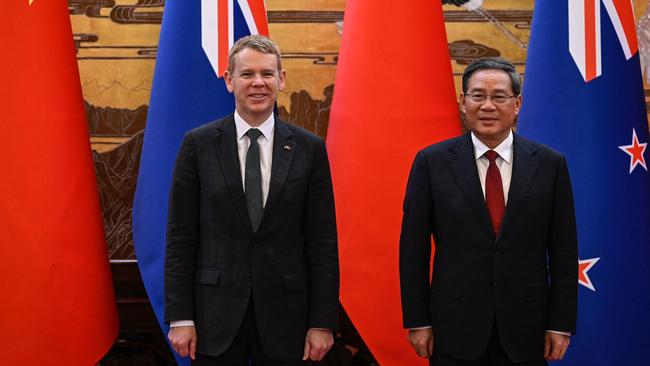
pixel 117 42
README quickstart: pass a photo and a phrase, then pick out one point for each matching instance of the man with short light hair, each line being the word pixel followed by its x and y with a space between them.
pixel 251 270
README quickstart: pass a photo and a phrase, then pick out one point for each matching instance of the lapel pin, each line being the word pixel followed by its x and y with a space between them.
pixel 287 147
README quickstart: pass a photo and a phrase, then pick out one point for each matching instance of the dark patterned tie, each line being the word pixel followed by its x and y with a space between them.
pixel 494 192
pixel 253 179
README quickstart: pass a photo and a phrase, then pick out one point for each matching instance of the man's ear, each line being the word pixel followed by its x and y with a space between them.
pixel 462 102
pixel 282 80
pixel 227 78
pixel 518 103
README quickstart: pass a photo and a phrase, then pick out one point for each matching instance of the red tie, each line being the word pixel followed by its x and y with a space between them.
pixel 494 191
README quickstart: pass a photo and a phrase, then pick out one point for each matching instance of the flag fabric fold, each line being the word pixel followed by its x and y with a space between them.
pixel 193 48
pixel 583 95
pixel 394 95
pixel 58 305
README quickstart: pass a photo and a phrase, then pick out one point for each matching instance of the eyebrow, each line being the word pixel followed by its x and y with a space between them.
pixel 251 70
pixel 482 90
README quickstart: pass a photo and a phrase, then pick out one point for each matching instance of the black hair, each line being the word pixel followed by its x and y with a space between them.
pixel 493 63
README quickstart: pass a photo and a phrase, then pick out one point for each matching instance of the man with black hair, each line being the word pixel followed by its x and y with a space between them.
pixel 500 209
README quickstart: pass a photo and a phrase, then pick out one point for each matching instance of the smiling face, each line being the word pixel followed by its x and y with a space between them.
pixel 491 123
pixel 255 81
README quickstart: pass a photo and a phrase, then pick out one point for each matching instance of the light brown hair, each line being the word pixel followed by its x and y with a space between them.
pixel 258 43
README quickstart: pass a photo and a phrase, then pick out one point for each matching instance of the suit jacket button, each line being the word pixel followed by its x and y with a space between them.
pixel 256 244
pixel 497 252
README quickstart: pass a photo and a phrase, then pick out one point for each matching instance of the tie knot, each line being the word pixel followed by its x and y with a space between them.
pixel 253 134
pixel 491 155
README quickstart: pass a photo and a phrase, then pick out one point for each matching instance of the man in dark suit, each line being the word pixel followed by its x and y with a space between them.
pixel 500 209
pixel 251 270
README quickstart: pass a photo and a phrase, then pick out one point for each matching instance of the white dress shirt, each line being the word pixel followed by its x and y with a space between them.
pixel 266 156
pixel 266 149
pixel 503 161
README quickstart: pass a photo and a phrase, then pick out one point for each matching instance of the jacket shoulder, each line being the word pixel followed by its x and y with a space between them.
pixel 298 132
pixel 212 127
pixel 544 151
pixel 445 146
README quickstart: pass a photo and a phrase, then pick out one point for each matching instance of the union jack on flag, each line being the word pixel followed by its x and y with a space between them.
pixel 217 27
pixel 585 32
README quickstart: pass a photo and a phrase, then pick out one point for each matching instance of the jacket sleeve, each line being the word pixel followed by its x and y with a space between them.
pixel 321 244
pixel 183 235
pixel 563 256
pixel 415 247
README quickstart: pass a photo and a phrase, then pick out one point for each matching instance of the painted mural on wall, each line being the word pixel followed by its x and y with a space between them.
pixel 116 43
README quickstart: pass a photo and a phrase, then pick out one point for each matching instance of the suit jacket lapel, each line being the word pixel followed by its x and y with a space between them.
pixel 523 173
pixel 283 152
pixel 226 142
pixel 462 164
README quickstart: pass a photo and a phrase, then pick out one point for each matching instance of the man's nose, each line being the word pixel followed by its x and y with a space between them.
pixel 258 80
pixel 488 105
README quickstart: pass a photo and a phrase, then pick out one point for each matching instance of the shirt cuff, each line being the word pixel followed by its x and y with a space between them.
pixel 558 332
pixel 181 323
pixel 420 328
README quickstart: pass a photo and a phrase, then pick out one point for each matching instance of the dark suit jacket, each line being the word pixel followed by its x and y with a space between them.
pixel 215 261
pixel 526 278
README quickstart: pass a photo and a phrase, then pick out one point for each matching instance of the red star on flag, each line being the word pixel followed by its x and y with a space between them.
pixel 584 265
pixel 636 151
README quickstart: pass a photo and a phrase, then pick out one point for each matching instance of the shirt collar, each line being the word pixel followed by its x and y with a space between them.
pixel 266 127
pixel 504 149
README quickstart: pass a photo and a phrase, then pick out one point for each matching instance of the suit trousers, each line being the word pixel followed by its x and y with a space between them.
pixel 494 355
pixel 246 349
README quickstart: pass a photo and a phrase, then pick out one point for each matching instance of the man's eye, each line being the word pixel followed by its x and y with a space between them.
pixel 245 75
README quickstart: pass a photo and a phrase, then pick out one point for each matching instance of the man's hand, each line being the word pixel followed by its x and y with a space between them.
pixel 422 341
pixel 183 340
pixel 317 343
pixel 555 345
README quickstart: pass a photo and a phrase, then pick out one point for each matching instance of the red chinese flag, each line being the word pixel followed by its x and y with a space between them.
pixel 394 95
pixel 57 306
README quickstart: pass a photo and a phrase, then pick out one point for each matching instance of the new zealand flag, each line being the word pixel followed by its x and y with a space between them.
pixel 583 95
